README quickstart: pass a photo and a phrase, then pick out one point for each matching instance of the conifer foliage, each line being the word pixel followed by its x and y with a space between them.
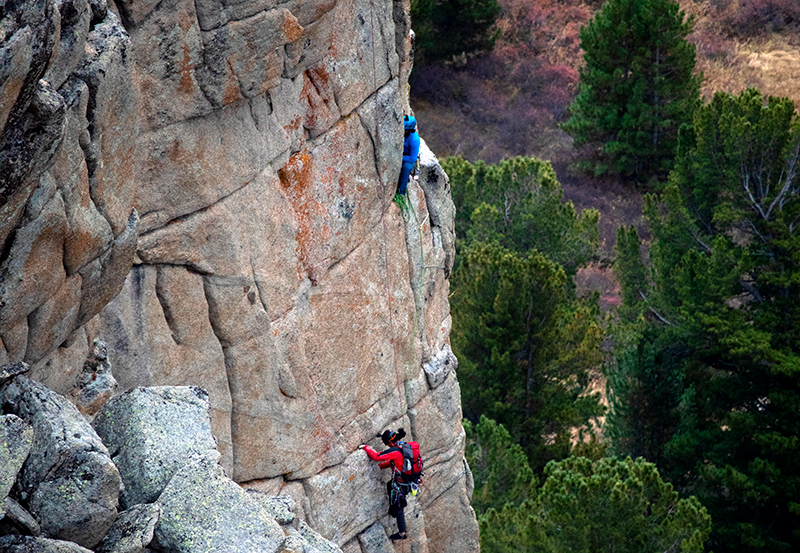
pixel 526 344
pixel 713 357
pixel 607 505
pixel 637 87
pixel 447 28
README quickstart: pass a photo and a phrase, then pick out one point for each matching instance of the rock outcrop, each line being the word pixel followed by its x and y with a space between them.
pixel 68 482
pixel 206 187
pixel 188 504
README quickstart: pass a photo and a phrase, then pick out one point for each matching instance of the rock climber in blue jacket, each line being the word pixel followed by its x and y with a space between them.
pixel 410 152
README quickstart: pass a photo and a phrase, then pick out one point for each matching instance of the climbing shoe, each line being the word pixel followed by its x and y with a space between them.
pixel 395 537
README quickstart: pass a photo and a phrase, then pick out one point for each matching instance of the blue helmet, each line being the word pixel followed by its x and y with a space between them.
pixel 410 123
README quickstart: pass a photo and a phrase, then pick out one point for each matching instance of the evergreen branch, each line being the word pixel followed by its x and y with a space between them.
pixel 653 311
pixel 751 290
pixel 755 230
pixel 753 201
pixel 790 175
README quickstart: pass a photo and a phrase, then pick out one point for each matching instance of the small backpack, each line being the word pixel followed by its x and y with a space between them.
pixel 412 462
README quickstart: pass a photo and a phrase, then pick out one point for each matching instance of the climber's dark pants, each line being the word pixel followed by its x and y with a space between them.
pixel 397 503
pixel 405 174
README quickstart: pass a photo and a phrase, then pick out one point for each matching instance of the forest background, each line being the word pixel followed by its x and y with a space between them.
pixel 624 307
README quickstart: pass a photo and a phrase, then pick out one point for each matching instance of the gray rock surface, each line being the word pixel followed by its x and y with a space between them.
pixel 16 438
pixel 29 544
pixel 436 185
pixel 346 499
pixel 312 541
pixel 293 544
pixel 278 507
pixel 133 530
pixel 151 433
pixel 69 483
pixel 68 121
pixel 205 511
pixel 95 383
pixel 375 540
pixel 440 366
pixel 21 520
pixel 7 372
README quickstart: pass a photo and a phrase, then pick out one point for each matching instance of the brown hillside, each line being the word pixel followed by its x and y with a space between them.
pixel 510 101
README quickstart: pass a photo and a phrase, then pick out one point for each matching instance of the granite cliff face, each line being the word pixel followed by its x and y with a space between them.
pixel 206 185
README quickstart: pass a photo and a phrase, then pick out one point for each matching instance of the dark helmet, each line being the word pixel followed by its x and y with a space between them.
pixel 390 436
pixel 409 122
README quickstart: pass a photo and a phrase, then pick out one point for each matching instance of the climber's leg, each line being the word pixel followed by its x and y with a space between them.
pixel 405 174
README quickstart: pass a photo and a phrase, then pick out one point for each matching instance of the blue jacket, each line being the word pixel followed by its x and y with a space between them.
pixel 411 142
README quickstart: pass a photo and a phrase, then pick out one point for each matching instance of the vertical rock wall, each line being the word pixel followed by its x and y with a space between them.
pixel 253 146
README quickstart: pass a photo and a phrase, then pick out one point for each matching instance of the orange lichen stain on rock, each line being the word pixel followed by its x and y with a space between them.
pixel 323 434
pixel 294 125
pixel 317 96
pixel 186 83
pixel 295 178
pixel 232 90
pixel 292 30
pixel 175 151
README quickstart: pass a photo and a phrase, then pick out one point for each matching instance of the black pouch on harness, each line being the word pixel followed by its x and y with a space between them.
pixel 397 497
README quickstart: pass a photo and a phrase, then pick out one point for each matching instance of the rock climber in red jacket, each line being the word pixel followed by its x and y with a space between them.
pixel 397 488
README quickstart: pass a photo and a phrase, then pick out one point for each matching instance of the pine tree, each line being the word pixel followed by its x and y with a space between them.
pixel 607 506
pixel 499 466
pixel 722 321
pixel 637 87
pixel 447 28
pixel 525 343
pixel 618 506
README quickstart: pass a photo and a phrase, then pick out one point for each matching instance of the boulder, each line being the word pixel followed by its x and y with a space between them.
pixel 151 433
pixel 278 507
pixel 375 540
pixel 95 384
pixel 28 544
pixel 205 511
pixel 7 372
pixel 18 519
pixel 69 483
pixel 133 530
pixel 312 541
pixel 293 544
pixel 16 438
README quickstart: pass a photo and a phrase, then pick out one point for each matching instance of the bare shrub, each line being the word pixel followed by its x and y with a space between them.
pixel 752 18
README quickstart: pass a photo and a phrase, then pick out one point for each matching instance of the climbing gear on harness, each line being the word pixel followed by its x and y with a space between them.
pixel 397 496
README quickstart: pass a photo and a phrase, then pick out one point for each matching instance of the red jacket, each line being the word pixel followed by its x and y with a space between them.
pixel 392 457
